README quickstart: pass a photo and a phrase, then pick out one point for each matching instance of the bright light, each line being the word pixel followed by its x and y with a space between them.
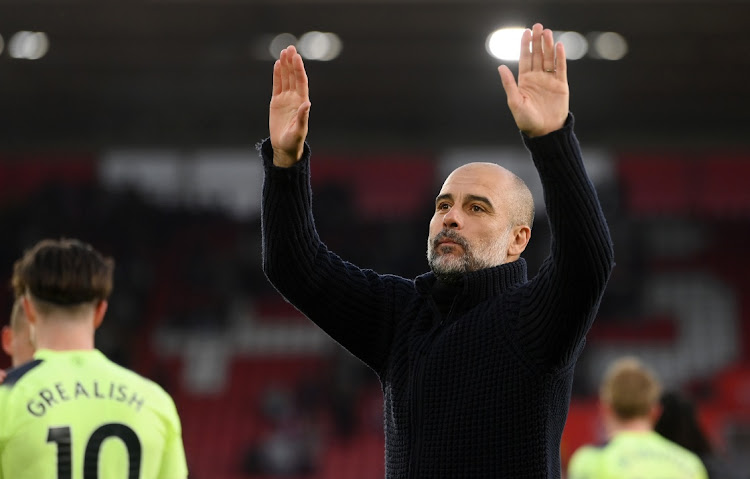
pixel 505 44
pixel 319 46
pixel 610 46
pixel 280 42
pixel 28 45
pixel 575 45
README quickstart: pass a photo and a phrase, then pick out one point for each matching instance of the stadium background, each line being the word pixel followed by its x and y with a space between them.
pixel 135 131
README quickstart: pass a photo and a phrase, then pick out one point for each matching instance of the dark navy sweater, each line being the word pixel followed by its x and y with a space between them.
pixel 482 391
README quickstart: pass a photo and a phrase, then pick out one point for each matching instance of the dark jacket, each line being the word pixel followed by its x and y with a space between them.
pixel 482 391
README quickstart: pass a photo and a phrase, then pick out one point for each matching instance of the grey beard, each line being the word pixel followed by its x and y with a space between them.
pixel 454 272
pixel 455 268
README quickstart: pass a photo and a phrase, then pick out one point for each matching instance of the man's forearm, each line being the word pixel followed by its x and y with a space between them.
pixel 573 278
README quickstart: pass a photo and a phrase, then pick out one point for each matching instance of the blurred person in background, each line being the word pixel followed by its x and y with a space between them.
pixel 629 401
pixel 475 360
pixel 71 412
pixel 16 337
pixel 678 422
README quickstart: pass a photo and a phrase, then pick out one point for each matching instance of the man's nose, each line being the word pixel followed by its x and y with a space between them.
pixel 453 218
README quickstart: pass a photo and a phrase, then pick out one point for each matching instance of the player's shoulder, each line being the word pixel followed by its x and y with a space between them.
pixel 159 401
pixel 584 463
pixel 668 444
pixel 679 451
pixel 133 377
pixel 14 375
pixel 589 450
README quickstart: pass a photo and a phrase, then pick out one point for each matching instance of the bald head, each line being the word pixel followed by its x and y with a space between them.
pixel 483 217
pixel 510 188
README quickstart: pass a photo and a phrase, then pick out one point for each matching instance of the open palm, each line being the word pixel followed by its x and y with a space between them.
pixel 540 101
pixel 290 108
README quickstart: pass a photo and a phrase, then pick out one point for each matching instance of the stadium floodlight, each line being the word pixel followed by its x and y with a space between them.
pixel 503 43
pixel 280 42
pixel 609 45
pixel 575 45
pixel 322 46
pixel 28 45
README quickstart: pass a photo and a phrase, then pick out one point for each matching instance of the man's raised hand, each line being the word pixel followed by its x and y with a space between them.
pixel 290 108
pixel 540 101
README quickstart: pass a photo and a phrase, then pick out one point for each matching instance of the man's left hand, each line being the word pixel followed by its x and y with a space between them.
pixel 540 101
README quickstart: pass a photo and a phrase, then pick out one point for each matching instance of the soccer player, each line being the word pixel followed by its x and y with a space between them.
pixel 629 398
pixel 70 413
pixel 16 338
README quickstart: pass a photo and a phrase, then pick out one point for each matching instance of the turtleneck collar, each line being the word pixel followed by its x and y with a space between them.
pixel 482 284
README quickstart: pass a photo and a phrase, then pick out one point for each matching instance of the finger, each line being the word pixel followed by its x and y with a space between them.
pixel 284 70
pixel 300 76
pixel 549 50
pixel 524 60
pixel 303 113
pixel 509 85
pixel 536 48
pixel 292 74
pixel 277 77
pixel 292 79
pixel 561 64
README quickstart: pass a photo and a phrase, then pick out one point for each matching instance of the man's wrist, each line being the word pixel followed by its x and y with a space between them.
pixel 283 159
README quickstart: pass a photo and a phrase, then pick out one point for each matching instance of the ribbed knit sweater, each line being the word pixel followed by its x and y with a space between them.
pixel 482 391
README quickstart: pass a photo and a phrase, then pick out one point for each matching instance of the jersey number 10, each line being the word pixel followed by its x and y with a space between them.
pixel 62 437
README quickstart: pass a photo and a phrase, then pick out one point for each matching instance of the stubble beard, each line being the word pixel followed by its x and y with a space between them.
pixel 450 267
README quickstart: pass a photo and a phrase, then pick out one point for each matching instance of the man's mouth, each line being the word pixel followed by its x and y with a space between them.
pixel 444 239
pixel 448 243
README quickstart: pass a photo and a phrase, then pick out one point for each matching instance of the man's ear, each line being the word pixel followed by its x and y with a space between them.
pixel 519 238
pixel 99 312
pixel 605 409
pixel 7 337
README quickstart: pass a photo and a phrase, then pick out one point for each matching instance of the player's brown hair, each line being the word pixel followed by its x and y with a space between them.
pixel 63 273
pixel 630 388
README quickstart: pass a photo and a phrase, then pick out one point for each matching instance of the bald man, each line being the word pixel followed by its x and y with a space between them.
pixel 475 360
pixel 16 337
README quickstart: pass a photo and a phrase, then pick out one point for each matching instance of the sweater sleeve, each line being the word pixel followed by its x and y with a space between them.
pixel 559 306
pixel 356 307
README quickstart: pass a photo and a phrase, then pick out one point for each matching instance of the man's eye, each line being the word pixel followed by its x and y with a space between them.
pixel 476 208
pixel 443 206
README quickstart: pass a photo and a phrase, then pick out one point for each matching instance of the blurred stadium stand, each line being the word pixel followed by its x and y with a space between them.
pixel 263 394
